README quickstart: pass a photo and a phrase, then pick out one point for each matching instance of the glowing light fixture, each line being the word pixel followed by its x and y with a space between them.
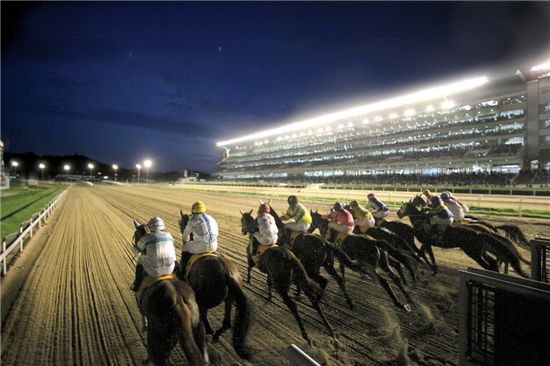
pixel 541 67
pixel 416 97
pixel 377 119
pixel 430 108
pixel 410 112
pixel 393 115
pixel 448 104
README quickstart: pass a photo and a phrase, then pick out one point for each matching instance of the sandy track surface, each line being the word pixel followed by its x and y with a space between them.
pixel 75 306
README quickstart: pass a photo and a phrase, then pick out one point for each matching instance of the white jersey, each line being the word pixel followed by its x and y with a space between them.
pixel 158 254
pixel 456 209
pixel 205 234
pixel 267 229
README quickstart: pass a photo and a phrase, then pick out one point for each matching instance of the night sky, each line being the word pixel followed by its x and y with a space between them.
pixel 121 82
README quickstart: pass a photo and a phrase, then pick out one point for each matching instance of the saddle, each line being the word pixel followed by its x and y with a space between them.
pixel 148 286
pixel 339 238
pixel 261 250
pixel 194 258
pixel 293 236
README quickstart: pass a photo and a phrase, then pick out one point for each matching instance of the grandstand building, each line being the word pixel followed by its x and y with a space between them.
pixel 473 125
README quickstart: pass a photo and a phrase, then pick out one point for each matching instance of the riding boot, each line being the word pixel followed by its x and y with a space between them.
pixel 285 238
pixel 185 256
pixel 140 274
pixel 177 271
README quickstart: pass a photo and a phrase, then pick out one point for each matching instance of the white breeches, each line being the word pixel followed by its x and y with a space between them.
pixel 265 239
pixel 339 227
pixel 200 246
pixel 364 223
pixel 380 214
pixel 294 226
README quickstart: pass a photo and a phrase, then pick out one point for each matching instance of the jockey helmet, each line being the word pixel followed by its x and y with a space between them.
pixel 338 206
pixel 354 204
pixel 156 224
pixel 427 192
pixel 371 196
pixel 198 207
pixel 446 195
pixel 292 200
pixel 435 201
pixel 264 207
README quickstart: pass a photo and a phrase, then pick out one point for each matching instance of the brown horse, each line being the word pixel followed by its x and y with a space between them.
pixel 172 314
pixel 475 244
pixel 315 252
pixel 215 279
pixel 370 252
pixel 283 269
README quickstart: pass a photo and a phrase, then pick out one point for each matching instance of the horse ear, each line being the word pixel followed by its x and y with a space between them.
pixel 251 211
pixel 136 223
pixel 181 213
pixel 316 211
pixel 270 201
pixel 261 202
pixel 242 213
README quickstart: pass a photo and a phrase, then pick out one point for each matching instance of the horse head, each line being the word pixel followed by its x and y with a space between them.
pixel 248 224
pixel 141 231
pixel 411 208
pixel 183 221
pixel 317 222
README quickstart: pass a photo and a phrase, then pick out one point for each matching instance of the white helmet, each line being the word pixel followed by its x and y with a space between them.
pixel 156 224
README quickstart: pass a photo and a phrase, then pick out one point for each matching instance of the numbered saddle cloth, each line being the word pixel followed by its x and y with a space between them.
pixel 148 286
pixel 261 250
pixel 194 258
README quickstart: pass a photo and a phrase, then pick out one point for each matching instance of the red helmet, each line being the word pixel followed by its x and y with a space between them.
pixel 264 207
pixel 370 195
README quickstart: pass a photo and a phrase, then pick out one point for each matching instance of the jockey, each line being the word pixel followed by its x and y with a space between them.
pixel 300 215
pixel 458 209
pixel 205 234
pixel 439 217
pixel 363 217
pixel 380 209
pixel 341 220
pixel 428 194
pixel 158 254
pixel 267 229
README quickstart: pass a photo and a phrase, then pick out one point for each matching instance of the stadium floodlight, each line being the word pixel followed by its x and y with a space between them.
pixel 66 167
pixel 14 164
pixel 138 167
pixel 147 164
pixel 541 67
pixel 447 104
pixel 115 168
pixel 91 167
pixel 416 97
pixel 430 108
pixel 410 112
pixel 41 166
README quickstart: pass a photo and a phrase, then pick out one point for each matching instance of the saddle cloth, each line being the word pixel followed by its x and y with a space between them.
pixel 261 249
pixel 147 287
pixel 194 258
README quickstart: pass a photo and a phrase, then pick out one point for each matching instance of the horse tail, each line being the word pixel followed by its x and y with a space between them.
pixel 516 234
pixel 242 319
pixel 312 291
pixel 507 252
pixel 344 258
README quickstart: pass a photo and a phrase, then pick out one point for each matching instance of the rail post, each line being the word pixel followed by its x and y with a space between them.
pixel 4 267
pixel 520 205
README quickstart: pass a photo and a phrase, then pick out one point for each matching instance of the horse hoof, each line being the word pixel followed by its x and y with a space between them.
pixel 407 308
pixel 312 343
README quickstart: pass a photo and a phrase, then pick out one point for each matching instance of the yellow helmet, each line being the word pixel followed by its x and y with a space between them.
pixel 354 204
pixel 427 192
pixel 198 207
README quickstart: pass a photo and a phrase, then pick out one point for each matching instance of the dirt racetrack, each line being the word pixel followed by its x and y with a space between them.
pixel 74 305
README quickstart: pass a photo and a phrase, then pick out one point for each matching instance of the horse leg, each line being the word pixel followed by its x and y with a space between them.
pixel 397 265
pixel 251 265
pixel 269 287
pixel 195 355
pixel 317 305
pixel 204 319
pixel 199 336
pixel 330 270
pixel 385 265
pixel 226 319
pixel 343 272
pixel 386 285
pixel 291 305
pixel 428 248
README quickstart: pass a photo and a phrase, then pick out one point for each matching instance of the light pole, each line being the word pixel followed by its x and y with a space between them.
pixel 14 165
pixel 115 167
pixel 67 167
pixel 91 167
pixel 42 166
pixel 147 163
pixel 138 166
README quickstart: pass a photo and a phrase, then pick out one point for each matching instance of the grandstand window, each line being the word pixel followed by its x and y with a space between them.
pixel 489 103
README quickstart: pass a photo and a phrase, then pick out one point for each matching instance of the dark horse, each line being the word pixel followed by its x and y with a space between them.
pixel 370 252
pixel 477 245
pixel 215 279
pixel 315 252
pixel 283 269
pixel 172 314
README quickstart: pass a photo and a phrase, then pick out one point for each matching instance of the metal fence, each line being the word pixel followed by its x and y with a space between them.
pixel 27 230
pixel 540 259
pixel 503 320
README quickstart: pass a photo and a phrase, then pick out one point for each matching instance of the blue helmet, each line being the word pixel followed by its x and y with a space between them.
pixel 338 206
pixel 446 195
pixel 292 200
pixel 435 201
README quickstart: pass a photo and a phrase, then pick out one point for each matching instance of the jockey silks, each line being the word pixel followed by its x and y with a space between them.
pixel 158 254
pixel 205 234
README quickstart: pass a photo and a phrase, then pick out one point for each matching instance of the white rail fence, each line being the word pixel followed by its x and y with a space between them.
pixel 27 230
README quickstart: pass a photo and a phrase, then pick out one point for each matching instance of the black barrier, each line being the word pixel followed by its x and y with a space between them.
pixel 504 320
pixel 540 259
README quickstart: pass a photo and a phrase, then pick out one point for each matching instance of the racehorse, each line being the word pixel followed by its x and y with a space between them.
pixel 283 268
pixel 172 314
pixel 215 279
pixel 315 252
pixel 369 252
pixel 476 244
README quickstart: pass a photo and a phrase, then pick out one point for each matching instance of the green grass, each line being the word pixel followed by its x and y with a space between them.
pixel 15 200
pixel 542 214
